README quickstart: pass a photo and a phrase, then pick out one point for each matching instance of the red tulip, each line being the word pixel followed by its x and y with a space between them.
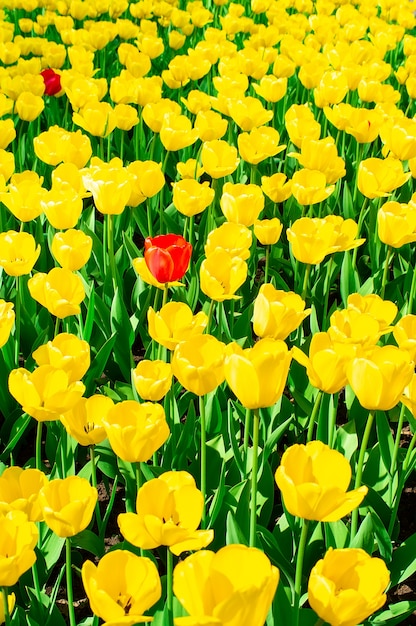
pixel 167 257
pixel 52 82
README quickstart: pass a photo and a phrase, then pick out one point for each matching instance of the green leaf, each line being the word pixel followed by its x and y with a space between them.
pixel 121 326
pixel 87 540
pixel 395 614
pixel 385 438
pixel 382 537
pixel 403 562
pixel 234 534
pixel 364 537
pixel 336 534
pixel 346 440
pixel 98 364
pixel 51 546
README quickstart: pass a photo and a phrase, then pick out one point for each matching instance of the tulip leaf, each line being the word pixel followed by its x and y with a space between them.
pixel 121 325
pixel 346 440
pixel 232 432
pixel 395 614
pixel 349 279
pixel 274 552
pixel 18 429
pixel 336 534
pixel 99 363
pixel 234 534
pixel 364 538
pixel 217 500
pixel 90 318
pixel 87 540
pixel 374 500
pixel 51 546
pixel 382 537
pixel 403 563
pixel 384 438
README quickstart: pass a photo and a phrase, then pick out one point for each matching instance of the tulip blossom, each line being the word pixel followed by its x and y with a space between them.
pixel 152 379
pixel 71 249
pixel 232 587
pixel 277 313
pixel 167 257
pixel 18 538
pixel 84 422
pixel 7 317
pixel 60 291
pixel 19 490
pixel 66 352
pixel 169 510
pixel 121 587
pixel 242 203
pixel 135 431
pixel 314 480
pixel 18 252
pixel 347 586
pixel 221 274
pixel 52 81
pixel 68 505
pixel 174 323
pixel 198 363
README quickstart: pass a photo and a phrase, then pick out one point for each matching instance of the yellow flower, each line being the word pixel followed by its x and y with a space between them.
pixel 176 132
pixel 300 123
pixel 191 197
pixel 404 333
pixel 311 239
pixel 11 601
pixel 19 490
pixel 261 143
pixel 210 125
pixel 189 169
pixel 49 145
pixel 154 112
pixel 135 431
pixel 268 232
pixel 277 313
pixel 152 379
pixel 169 510
pixel 121 587
pixel 249 113
pixel 60 291
pixel 97 118
pixel 66 352
pixel 347 586
pixel 29 106
pixel 314 480
pixel 45 393
pixel 174 323
pixel 326 363
pixel 384 311
pixel 378 177
pixel 321 155
pixel 18 252
pixel 258 375
pixel 379 378
pixel 147 179
pixel 232 587
pixel 126 116
pixel 68 505
pixel 62 205
pixel 396 223
pixel 111 186
pixel 218 158
pixel 84 422
pixel 7 129
pixel 221 274
pixel 234 238
pixel 18 538
pixel 271 88
pixel 24 196
pixel 198 364
pixel 310 186
pixel 276 187
pixel 71 249
pixel 242 203
pixel 7 317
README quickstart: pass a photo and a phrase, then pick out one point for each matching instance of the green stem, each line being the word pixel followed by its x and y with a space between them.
pixel 38 449
pixel 164 300
pixel 139 476
pixel 210 314
pixel 246 437
pixel 313 415
pixel 17 322
pixel 332 420
pixel 327 290
pixel 169 585
pixel 361 217
pixel 110 245
pixel 412 293
pixel 70 595
pixel 94 484
pixel 299 568
pixel 388 258
pixel 266 265
pixel 306 280
pixel 254 469
pixel 6 606
pixel 203 458
pixel 359 472
pixel 397 440
pixel 57 324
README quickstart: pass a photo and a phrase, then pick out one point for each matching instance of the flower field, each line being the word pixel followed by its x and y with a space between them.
pixel 207 312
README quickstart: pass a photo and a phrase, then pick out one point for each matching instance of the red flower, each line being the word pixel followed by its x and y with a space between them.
pixel 52 82
pixel 167 257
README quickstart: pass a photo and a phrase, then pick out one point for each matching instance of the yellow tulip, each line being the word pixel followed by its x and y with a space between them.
pixel 235 586
pixel 314 480
pixel 191 197
pixel 147 180
pixel 396 223
pixel 169 510
pixel 404 333
pixel 347 586
pixel 174 323
pixel 258 375
pixel 378 177
pixel 97 118
pixel 121 587
pixel 379 378
pixel 45 393
pixel 71 249
pixel 218 158
pixel 242 204
pixel 249 113
pixel 276 187
pixel 234 238
pixel 321 155
pixel 210 125
pixel 311 239
pixel 268 232
pixel 29 106
pixel 24 196
pixel 19 490
pixel 198 364
pixel 60 291
pixel 384 311
pixel 18 252
pixel 352 326
pixel 18 538
pixel 135 431
pixel 7 317
pixel 261 143
pixel 277 313
pixel 176 132
pixel 62 205
pixel 68 505
pixel 310 186
pixel 152 379
pixel 221 274
pixel 66 352
pixel 84 421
